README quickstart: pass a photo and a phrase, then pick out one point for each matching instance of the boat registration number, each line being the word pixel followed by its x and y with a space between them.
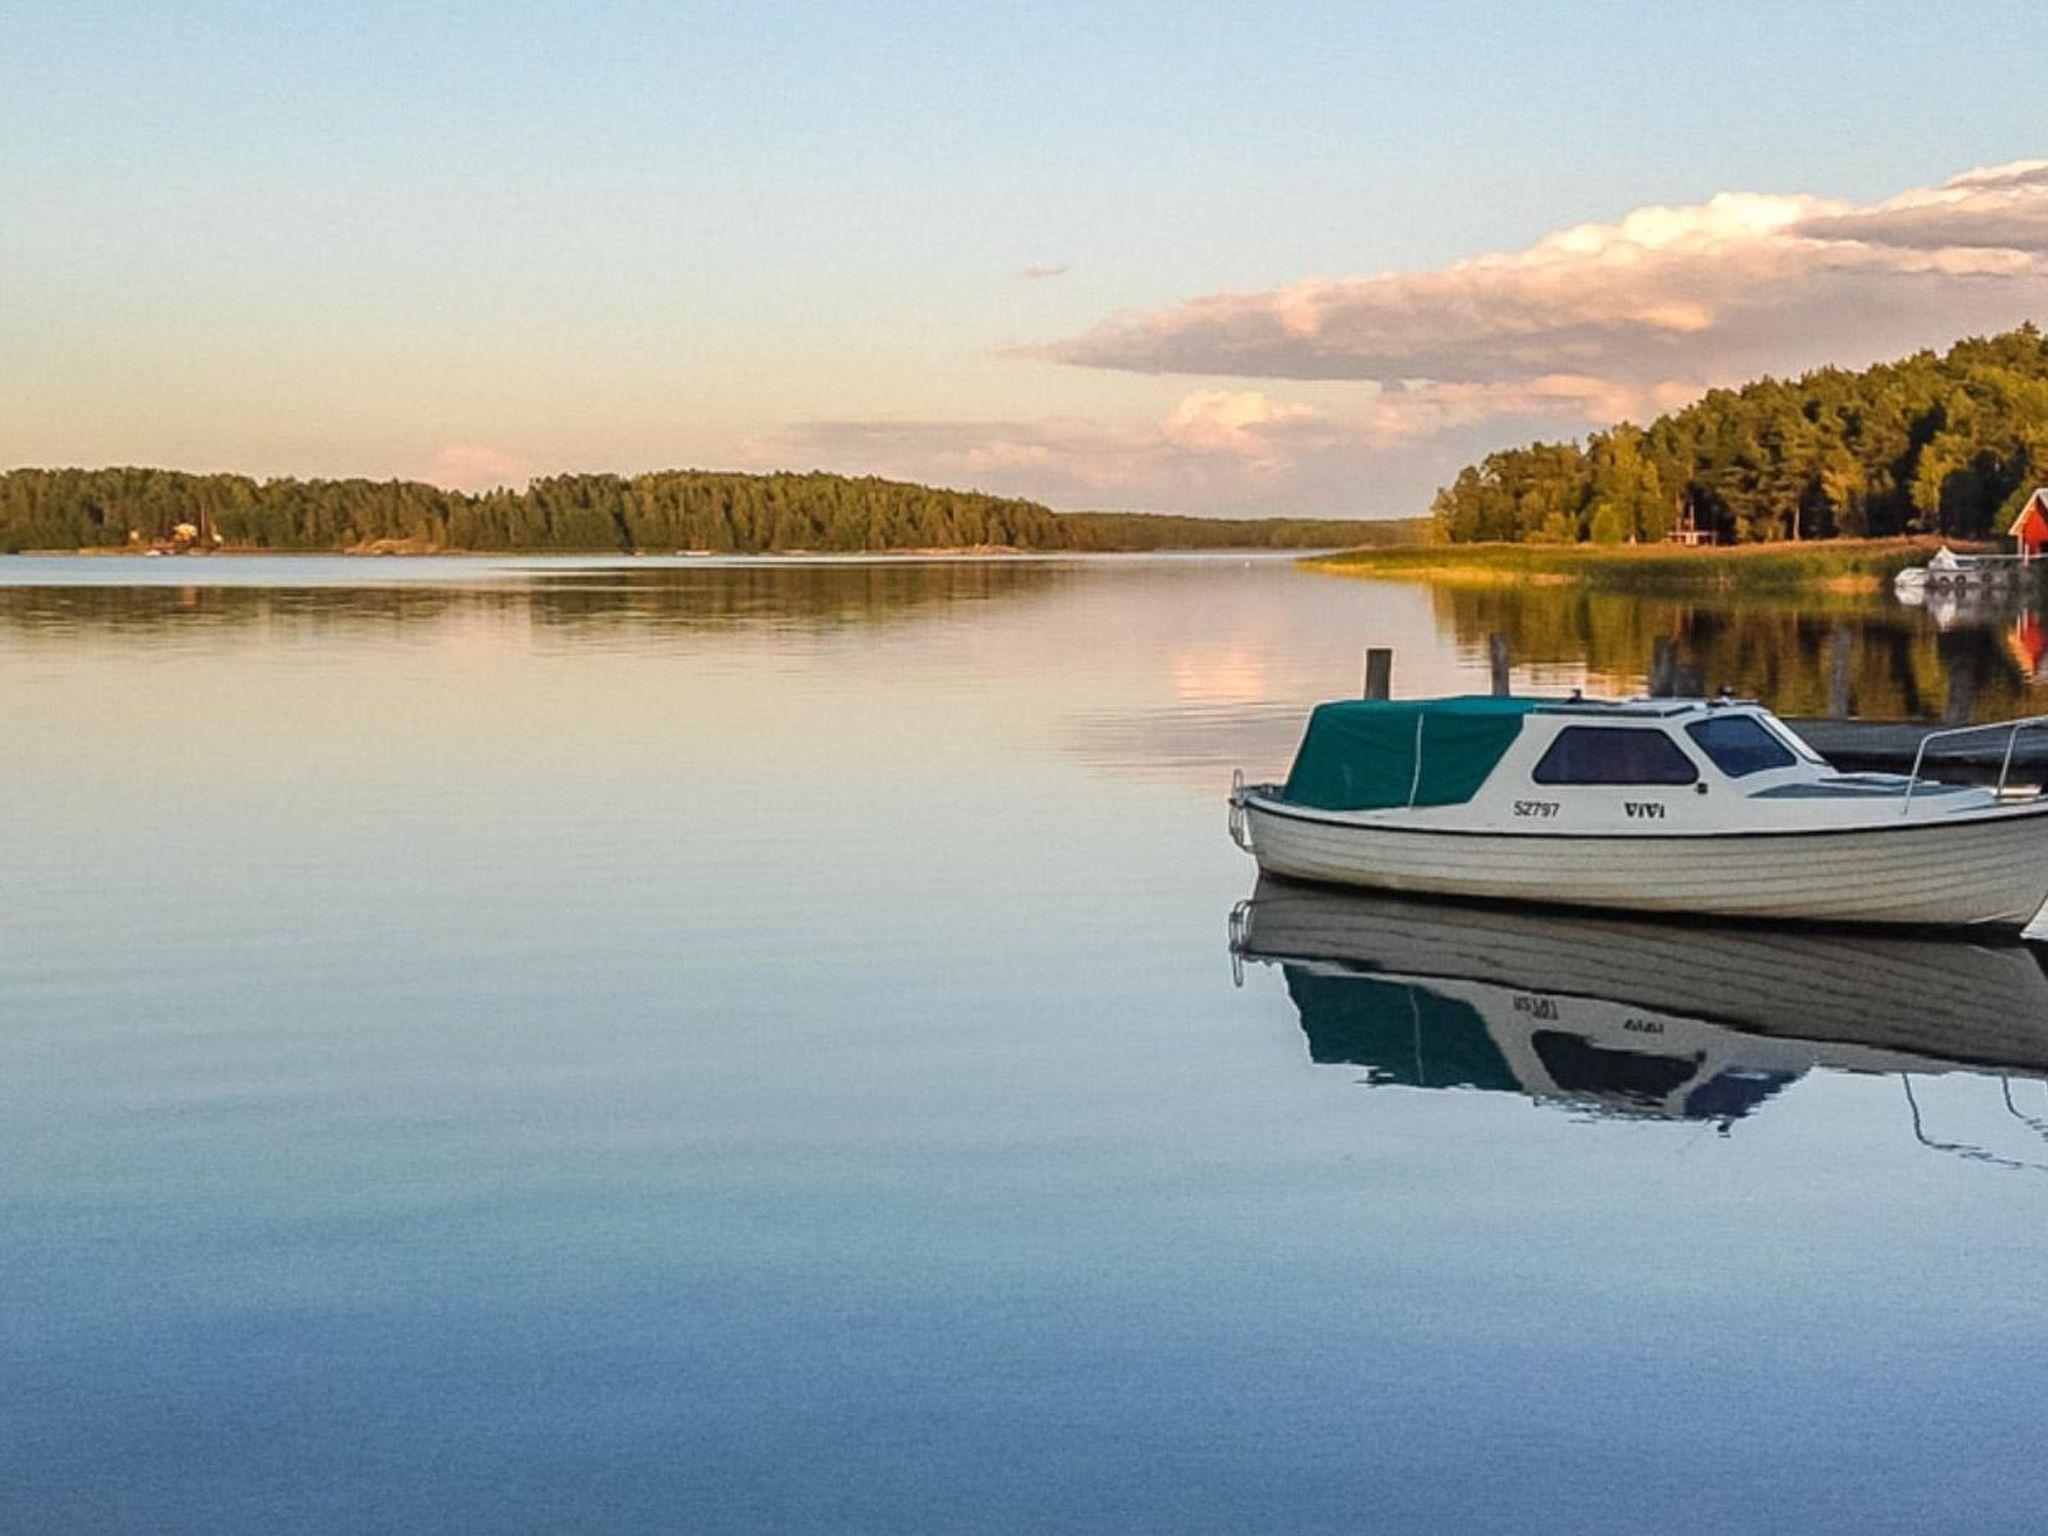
pixel 1541 809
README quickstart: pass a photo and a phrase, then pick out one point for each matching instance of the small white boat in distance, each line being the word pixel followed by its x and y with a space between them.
pixel 1640 805
pixel 1948 571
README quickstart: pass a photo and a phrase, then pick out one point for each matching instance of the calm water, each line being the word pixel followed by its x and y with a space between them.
pixel 755 1047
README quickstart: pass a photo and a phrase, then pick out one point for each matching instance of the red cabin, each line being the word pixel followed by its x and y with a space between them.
pixel 2030 528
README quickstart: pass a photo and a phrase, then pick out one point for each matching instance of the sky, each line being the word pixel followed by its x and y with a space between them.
pixel 1286 258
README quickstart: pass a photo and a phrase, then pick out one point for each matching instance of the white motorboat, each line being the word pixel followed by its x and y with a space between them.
pixel 1640 805
pixel 1948 571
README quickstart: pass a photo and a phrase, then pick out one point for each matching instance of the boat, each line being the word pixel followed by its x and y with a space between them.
pixel 1948 571
pixel 1649 805
pixel 1634 1017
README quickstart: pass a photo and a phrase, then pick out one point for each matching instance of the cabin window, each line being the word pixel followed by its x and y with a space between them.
pixel 1611 754
pixel 1740 746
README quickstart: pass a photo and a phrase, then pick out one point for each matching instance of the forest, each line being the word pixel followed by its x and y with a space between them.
pixel 1129 531
pixel 1949 443
pixel 661 513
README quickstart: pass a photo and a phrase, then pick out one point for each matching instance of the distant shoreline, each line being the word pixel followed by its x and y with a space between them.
pixel 140 510
pixel 964 552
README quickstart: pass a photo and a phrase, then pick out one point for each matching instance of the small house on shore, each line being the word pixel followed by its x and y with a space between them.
pixel 1688 532
pixel 2029 530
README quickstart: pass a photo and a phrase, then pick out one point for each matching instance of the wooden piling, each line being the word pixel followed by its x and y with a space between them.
pixel 1379 673
pixel 1497 663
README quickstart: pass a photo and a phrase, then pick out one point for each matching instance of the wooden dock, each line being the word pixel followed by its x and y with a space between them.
pixel 1889 746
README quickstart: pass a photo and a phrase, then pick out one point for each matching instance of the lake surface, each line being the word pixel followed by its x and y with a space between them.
pixel 760 1046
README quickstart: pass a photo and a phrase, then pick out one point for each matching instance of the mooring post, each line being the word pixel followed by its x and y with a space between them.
pixel 1663 668
pixel 1379 673
pixel 1840 703
pixel 1688 683
pixel 1497 663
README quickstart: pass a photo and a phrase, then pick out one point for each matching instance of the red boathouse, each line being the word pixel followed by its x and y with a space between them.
pixel 2030 528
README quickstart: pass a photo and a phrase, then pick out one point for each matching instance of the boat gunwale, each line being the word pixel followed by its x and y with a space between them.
pixel 1272 805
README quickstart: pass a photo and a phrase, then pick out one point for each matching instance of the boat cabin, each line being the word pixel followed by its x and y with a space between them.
pixel 1575 765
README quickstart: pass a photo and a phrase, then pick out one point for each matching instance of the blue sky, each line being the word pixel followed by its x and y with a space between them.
pixel 477 242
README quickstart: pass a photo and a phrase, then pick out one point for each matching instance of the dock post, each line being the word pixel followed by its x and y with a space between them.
pixel 1663 668
pixel 1840 702
pixel 1379 673
pixel 1497 663
pixel 1688 683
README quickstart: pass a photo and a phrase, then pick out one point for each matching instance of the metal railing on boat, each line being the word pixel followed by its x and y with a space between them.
pixel 2011 727
pixel 1240 929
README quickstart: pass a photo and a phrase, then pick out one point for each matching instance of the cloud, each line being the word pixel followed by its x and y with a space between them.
pixel 1243 424
pixel 1710 293
pixel 1409 375
pixel 1215 450
pixel 1039 273
pixel 475 467
pixel 2002 208
pixel 1212 436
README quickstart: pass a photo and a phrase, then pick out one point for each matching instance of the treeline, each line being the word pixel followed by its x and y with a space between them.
pixel 665 512
pixel 1126 531
pixel 1948 443
pixel 654 513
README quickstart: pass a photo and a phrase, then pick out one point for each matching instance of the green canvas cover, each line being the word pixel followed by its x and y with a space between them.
pixel 1403 1033
pixel 1359 754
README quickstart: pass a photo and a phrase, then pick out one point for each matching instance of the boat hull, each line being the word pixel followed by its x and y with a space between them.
pixel 1987 870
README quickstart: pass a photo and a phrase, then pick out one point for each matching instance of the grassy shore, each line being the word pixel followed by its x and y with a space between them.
pixel 1840 565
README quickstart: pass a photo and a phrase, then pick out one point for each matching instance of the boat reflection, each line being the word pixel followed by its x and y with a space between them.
pixel 1630 1018
pixel 1988 608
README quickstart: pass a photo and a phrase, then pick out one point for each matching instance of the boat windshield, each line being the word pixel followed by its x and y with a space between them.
pixel 1794 740
pixel 1740 746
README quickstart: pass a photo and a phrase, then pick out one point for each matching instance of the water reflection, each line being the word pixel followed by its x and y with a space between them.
pixel 1621 1018
pixel 468 1071
pixel 2028 642
pixel 1260 640
pixel 43 597
pixel 1966 607
pixel 1799 654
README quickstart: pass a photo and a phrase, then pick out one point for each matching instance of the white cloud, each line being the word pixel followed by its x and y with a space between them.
pixel 1244 424
pixel 1215 450
pixel 2002 208
pixel 1711 293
